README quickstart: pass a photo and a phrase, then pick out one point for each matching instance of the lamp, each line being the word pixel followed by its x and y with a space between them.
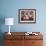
pixel 9 21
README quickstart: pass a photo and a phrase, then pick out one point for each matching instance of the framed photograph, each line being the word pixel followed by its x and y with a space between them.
pixel 27 15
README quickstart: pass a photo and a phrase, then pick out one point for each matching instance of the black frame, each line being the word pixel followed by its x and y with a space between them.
pixel 25 10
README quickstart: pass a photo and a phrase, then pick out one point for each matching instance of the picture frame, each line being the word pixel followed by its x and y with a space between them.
pixel 27 16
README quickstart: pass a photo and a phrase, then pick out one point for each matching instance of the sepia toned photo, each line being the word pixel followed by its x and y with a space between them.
pixel 27 15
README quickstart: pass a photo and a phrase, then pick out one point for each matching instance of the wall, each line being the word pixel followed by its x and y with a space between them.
pixel 9 8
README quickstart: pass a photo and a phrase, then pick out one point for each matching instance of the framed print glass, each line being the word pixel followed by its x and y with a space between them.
pixel 27 15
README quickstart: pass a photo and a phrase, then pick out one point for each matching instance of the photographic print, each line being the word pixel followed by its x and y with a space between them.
pixel 27 15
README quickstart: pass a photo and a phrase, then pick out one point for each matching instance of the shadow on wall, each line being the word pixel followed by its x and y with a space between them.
pixel 2 21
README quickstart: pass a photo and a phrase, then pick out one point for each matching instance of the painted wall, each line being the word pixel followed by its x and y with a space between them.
pixel 9 8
